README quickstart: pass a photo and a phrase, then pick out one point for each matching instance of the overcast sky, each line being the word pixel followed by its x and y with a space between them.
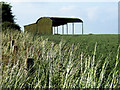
pixel 99 17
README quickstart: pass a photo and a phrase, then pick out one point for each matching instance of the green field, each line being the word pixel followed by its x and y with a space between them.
pixel 60 61
pixel 107 45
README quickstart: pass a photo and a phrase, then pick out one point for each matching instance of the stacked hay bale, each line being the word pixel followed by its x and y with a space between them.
pixel 42 26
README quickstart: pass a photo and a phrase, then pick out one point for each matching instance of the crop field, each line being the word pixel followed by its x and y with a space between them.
pixel 60 61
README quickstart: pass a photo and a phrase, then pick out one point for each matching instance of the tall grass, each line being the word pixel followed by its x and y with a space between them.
pixel 55 65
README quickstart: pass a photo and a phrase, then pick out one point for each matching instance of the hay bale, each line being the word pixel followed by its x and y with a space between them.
pixel 30 28
pixel 44 25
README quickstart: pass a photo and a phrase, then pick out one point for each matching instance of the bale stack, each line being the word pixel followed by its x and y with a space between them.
pixel 42 26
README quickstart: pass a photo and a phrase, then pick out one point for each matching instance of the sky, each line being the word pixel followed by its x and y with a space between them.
pixel 98 17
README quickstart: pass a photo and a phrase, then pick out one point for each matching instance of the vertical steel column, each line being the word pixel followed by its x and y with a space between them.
pixel 62 29
pixel 82 28
pixel 73 28
pixel 67 28
pixel 57 29
pixel 54 30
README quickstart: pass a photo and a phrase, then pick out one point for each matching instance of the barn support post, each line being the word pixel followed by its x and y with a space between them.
pixel 73 28
pixel 62 29
pixel 82 28
pixel 57 29
pixel 67 28
pixel 54 29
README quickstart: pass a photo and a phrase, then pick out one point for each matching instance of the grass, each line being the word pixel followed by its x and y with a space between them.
pixel 85 61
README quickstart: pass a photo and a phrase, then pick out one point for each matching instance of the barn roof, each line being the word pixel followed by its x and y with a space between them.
pixel 61 21
pixel 57 21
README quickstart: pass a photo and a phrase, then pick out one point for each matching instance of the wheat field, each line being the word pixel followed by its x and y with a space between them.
pixel 34 61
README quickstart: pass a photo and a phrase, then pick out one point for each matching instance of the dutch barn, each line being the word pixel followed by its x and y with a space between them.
pixel 46 25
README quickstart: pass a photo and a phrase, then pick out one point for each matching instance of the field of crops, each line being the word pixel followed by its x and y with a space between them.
pixel 60 61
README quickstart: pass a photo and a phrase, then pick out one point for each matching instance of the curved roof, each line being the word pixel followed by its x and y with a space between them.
pixel 57 21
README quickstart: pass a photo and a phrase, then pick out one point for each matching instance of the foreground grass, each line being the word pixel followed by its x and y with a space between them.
pixel 57 64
